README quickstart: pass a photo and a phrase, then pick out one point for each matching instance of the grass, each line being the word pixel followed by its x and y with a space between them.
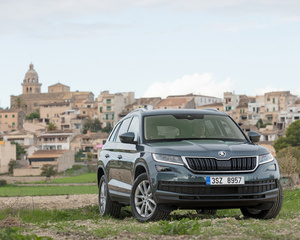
pixel 84 223
pixel 11 190
pixel 83 178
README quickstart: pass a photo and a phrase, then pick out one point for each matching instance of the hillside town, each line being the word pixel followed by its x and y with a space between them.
pixel 61 126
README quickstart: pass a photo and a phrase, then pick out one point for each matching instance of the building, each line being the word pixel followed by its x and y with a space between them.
pixel 68 121
pixel 89 143
pixel 275 102
pixel 270 133
pixel 231 101
pixel 256 110
pixel 22 137
pixel 61 159
pixel 148 103
pixel 55 140
pixel 11 119
pixel 201 100
pixel 217 105
pixel 7 153
pixel 32 97
pixel 58 88
pixel 109 106
pixel 50 112
pixel 173 102
pixel 292 114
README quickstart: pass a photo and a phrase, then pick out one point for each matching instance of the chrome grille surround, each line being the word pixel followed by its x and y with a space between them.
pixel 216 165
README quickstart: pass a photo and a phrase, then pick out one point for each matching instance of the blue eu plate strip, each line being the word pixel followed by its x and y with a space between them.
pixel 207 180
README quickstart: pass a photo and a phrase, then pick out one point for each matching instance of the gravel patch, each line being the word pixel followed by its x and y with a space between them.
pixel 49 202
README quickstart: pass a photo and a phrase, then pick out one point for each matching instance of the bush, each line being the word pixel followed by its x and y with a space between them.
pixel 11 166
pixel 289 160
pixel 292 137
pixel 3 182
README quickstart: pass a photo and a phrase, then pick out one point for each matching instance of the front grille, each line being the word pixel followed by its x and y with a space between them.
pixel 212 164
pixel 250 187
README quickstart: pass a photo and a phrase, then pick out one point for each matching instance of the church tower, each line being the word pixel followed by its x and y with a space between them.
pixel 31 82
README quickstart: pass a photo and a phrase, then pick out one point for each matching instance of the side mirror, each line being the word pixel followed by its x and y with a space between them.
pixel 128 138
pixel 254 136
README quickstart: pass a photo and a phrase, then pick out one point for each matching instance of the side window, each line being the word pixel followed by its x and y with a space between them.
pixel 123 128
pixel 134 127
pixel 113 134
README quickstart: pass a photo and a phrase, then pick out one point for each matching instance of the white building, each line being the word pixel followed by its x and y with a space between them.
pixel 285 118
pixel 55 140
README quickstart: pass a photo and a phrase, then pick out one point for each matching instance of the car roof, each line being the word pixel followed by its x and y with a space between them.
pixel 144 112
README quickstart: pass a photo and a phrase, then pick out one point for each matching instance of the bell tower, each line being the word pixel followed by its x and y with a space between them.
pixel 31 82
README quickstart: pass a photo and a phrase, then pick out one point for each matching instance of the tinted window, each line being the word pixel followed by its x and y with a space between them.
pixel 113 134
pixel 134 127
pixel 191 127
pixel 123 128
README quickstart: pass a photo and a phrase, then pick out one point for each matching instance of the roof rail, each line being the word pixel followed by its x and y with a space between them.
pixel 139 110
pixel 211 109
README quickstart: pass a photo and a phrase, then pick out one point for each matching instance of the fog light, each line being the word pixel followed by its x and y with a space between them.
pixel 272 167
pixel 163 169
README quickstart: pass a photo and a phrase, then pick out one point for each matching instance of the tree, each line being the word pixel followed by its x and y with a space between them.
pixel 48 170
pixel 78 156
pixel 11 166
pixel 288 162
pixel 92 125
pixel 88 123
pixel 51 127
pixel 292 137
pixel 19 149
pixel 107 129
pixel 97 125
pixel 18 103
pixel 259 123
pixel 33 115
pixel 89 156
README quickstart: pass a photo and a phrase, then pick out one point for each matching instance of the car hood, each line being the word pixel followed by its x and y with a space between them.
pixel 206 148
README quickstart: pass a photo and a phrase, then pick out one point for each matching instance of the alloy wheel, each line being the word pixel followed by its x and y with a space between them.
pixel 143 198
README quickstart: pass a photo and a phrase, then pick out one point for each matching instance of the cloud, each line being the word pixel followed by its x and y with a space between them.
pixel 296 91
pixel 203 84
pixel 290 19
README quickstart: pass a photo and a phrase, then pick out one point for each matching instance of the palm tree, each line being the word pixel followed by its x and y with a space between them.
pixel 18 103
pixel 51 127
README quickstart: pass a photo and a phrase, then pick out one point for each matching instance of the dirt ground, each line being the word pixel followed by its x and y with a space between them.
pixel 49 202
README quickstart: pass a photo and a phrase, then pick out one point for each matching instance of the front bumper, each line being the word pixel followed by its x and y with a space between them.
pixel 180 188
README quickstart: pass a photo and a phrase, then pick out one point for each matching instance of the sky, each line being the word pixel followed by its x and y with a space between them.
pixel 152 47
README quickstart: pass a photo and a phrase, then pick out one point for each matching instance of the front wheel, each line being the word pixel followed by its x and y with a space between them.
pixel 269 213
pixel 106 206
pixel 143 206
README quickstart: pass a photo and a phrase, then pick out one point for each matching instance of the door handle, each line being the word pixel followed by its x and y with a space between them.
pixel 106 155
pixel 120 156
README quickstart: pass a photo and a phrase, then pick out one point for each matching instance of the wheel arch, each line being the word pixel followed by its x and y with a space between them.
pixel 139 169
pixel 100 173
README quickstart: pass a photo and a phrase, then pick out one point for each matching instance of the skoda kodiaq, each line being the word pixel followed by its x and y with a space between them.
pixel 157 161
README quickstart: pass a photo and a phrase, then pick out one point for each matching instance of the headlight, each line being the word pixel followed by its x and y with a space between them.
pixel 167 159
pixel 265 158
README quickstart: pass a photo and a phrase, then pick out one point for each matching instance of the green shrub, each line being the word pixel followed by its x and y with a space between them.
pixel 2 182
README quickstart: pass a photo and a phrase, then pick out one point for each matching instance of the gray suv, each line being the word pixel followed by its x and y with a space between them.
pixel 157 161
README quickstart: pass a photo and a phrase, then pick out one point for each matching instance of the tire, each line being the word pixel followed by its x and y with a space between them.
pixel 143 206
pixel 106 206
pixel 269 213
pixel 206 211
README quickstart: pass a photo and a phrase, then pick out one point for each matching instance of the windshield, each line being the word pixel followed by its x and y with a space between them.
pixel 191 126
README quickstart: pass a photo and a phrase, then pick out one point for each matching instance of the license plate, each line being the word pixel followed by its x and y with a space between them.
pixel 225 180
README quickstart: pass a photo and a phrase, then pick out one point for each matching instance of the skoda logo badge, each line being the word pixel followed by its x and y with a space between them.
pixel 222 154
